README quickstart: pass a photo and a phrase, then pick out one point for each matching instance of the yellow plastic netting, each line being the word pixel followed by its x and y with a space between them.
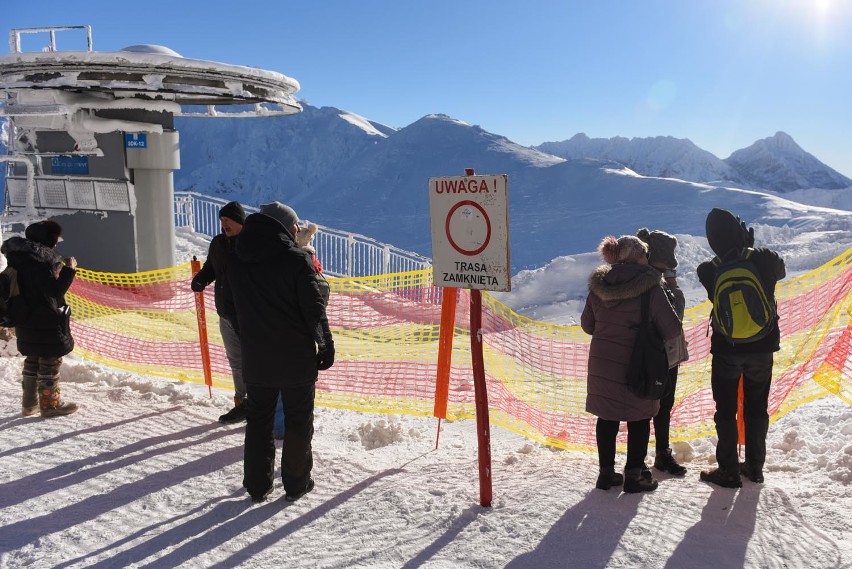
pixel 386 334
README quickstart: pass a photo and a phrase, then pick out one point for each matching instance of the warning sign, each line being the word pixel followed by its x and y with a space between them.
pixel 470 232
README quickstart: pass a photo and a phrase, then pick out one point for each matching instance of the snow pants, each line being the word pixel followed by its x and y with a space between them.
pixel 296 451
pixel 756 370
pixel 663 419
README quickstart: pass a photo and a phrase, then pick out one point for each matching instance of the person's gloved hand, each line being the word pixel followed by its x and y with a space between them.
pixel 749 234
pixel 196 285
pixel 325 355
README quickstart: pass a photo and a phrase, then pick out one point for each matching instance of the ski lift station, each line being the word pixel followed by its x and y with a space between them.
pixel 92 142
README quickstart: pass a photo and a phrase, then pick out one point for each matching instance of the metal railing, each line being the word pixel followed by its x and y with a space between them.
pixel 341 253
pixel 15 36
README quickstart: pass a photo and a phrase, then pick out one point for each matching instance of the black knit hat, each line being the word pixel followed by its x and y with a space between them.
pixel 233 211
pixel 46 232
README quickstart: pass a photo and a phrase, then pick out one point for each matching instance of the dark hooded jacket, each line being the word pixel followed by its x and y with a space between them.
pixel 44 329
pixel 280 311
pixel 612 316
pixel 727 235
pixel 214 271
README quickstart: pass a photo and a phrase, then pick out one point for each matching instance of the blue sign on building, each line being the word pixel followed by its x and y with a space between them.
pixel 69 165
pixel 135 140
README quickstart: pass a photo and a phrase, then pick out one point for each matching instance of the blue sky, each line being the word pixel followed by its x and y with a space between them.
pixel 722 74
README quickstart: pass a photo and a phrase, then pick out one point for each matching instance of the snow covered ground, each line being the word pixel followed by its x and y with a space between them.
pixel 143 476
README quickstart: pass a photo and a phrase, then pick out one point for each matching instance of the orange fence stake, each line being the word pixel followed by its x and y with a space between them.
pixel 445 356
pixel 445 351
pixel 202 330
pixel 740 416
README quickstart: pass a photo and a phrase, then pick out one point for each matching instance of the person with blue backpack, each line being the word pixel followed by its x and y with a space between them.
pixel 740 281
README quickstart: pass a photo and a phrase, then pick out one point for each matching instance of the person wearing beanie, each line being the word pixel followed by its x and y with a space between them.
pixel 283 214
pixel 286 341
pixel 233 211
pixel 304 239
pixel 232 217
pixel 611 316
pixel 728 236
pixel 661 256
pixel 42 316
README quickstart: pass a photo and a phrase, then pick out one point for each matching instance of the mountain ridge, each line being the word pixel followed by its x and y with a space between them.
pixel 345 171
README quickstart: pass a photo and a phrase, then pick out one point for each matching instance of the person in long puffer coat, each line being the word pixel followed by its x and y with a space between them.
pixel 612 315
pixel 286 341
pixel 43 328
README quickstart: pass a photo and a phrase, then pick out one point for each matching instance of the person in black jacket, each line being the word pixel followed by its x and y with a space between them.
pixel 728 236
pixel 661 256
pixel 43 318
pixel 231 216
pixel 285 339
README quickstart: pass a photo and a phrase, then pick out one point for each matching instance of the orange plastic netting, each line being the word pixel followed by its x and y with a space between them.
pixel 386 333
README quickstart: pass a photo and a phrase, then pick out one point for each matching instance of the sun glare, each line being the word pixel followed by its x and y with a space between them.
pixel 820 20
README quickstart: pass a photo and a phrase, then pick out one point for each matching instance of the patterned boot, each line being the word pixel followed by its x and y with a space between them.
pixel 49 400
pixel 29 401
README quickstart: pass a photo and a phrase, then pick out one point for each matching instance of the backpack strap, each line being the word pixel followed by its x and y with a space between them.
pixel 646 304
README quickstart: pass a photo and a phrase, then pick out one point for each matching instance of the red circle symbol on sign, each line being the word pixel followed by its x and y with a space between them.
pixel 456 246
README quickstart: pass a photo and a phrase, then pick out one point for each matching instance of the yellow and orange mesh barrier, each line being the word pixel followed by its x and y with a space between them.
pixel 386 331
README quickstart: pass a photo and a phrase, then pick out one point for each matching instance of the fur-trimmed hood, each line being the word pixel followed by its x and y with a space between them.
pixel 614 283
pixel 20 251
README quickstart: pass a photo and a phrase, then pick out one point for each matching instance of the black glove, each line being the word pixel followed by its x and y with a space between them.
pixel 197 285
pixel 325 355
pixel 749 234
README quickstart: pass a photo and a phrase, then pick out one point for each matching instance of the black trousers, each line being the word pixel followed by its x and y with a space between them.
pixel 296 454
pixel 663 419
pixel 756 370
pixel 638 433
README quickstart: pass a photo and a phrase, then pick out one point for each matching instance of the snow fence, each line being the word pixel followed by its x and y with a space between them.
pixel 386 336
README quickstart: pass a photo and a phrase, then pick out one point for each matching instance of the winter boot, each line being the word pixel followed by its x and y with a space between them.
pixel 29 402
pixel 636 480
pixel 49 400
pixel 258 498
pixel 296 495
pixel 752 472
pixel 608 477
pixel 237 414
pixel 721 477
pixel 665 462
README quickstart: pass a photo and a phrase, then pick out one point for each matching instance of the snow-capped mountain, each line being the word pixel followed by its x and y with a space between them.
pixel 778 163
pixel 775 164
pixel 661 156
pixel 257 160
pixel 345 171
pixel 556 207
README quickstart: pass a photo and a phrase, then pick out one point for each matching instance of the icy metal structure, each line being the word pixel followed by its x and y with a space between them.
pixel 98 129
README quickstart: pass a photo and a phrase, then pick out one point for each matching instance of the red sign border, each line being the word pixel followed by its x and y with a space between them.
pixel 487 224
